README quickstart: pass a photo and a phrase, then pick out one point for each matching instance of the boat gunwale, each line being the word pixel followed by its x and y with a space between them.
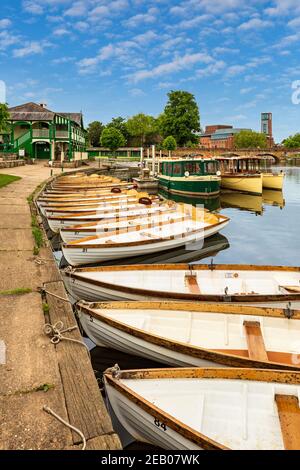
pixel 226 359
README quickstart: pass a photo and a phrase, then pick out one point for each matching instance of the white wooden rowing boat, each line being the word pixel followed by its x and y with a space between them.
pixel 123 245
pixel 195 334
pixel 87 189
pixel 207 283
pixel 99 208
pixel 91 204
pixel 192 409
pixel 58 222
pixel 77 232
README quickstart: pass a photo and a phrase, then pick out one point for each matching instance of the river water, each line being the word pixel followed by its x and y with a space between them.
pixel 262 229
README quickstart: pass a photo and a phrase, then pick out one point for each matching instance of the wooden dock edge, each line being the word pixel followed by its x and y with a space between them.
pixel 84 403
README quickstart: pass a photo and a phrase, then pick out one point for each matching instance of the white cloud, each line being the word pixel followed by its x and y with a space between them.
pixel 283 7
pixel 77 9
pixel 244 91
pixel 179 63
pixel 136 92
pixel 61 32
pixel 7 39
pixel 254 23
pixel 211 69
pixel 136 20
pixel 236 70
pixel 5 23
pixel 81 26
pixel 31 48
pixel 146 37
pixel 63 60
pixel 33 7
pixel 194 22
pixel 295 23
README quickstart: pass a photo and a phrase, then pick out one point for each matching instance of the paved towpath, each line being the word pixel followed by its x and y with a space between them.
pixel 31 361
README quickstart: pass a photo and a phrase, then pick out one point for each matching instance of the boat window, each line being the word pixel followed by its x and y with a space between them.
pixel 169 172
pixel 194 168
pixel 210 167
pixel 177 169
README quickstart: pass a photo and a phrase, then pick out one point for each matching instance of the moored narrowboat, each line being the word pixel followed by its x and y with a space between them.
pixel 193 177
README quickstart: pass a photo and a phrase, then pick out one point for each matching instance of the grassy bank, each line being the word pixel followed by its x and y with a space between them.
pixel 7 179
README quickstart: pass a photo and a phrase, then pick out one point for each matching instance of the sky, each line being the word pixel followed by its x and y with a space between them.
pixel 120 57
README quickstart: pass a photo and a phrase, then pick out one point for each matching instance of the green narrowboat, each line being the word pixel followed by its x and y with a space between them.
pixel 195 178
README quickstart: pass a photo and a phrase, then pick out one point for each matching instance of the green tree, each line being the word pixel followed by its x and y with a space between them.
pixel 120 123
pixel 94 132
pixel 180 118
pixel 112 138
pixel 4 117
pixel 292 142
pixel 250 139
pixel 169 144
pixel 141 125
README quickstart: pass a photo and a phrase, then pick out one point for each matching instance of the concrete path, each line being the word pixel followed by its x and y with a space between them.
pixel 30 360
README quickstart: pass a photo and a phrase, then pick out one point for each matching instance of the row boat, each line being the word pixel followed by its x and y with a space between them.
pixel 142 242
pixel 92 203
pixel 207 408
pixel 57 222
pixel 77 198
pixel 194 334
pixel 198 282
pixel 90 229
pixel 99 207
pixel 87 188
pixel 195 177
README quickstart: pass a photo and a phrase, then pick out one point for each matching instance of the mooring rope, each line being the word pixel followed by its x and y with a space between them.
pixel 44 291
pixel 59 418
pixel 56 333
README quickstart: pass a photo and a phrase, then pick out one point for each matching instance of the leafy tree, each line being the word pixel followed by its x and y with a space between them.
pixel 120 123
pixel 169 144
pixel 250 139
pixel 140 126
pixel 4 117
pixel 94 132
pixel 292 142
pixel 180 118
pixel 112 138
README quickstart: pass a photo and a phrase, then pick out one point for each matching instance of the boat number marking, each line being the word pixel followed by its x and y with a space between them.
pixel 231 275
pixel 84 250
pixel 159 424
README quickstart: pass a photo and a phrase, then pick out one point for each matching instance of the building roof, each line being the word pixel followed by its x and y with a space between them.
pixel 225 133
pixel 76 117
pixel 35 112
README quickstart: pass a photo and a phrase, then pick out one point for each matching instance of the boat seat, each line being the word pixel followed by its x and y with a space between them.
pixel 289 417
pixel 191 282
pixel 295 289
pixel 255 341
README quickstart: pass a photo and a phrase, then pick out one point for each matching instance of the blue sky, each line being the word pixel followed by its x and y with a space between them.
pixel 121 57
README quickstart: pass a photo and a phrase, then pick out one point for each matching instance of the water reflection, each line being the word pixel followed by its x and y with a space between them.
pixel 210 203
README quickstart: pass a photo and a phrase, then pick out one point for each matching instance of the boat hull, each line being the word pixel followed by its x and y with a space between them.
pixel 251 184
pixel 83 255
pixel 205 186
pixel 271 181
